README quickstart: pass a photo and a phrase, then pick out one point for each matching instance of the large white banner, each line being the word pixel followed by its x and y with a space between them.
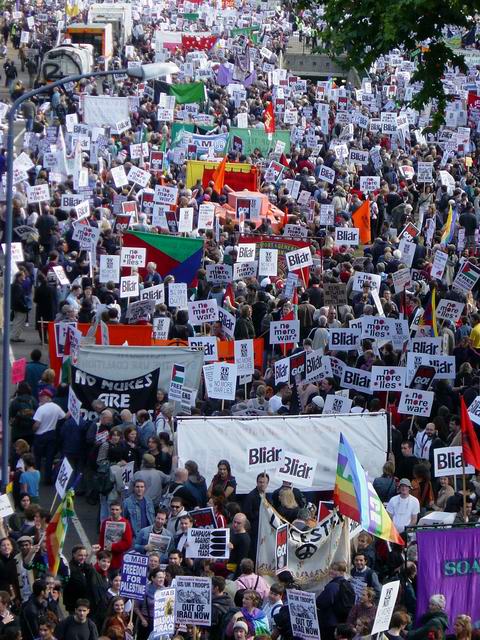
pixel 208 439
pixel 310 553
pixel 102 111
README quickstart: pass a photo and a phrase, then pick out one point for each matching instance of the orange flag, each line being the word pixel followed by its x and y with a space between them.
pixel 361 220
pixel 219 176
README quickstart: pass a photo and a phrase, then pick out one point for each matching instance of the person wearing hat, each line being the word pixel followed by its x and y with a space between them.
pixel 45 422
pixel 240 630
pixel 403 508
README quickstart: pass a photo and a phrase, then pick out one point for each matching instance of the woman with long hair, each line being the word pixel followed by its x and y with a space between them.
pixel 132 452
pixel 145 608
pixel 116 618
pixel 422 486
pixel 223 479
pixel 462 628
pixel 196 483
pixel 255 618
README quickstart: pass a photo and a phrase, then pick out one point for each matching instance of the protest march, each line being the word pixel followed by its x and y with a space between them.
pixel 244 323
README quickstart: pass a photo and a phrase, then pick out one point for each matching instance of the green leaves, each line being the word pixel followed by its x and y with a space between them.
pixel 364 30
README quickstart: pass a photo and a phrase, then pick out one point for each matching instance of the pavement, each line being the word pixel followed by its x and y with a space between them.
pixel 84 528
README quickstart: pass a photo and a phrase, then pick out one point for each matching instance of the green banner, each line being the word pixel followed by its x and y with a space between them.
pixel 258 139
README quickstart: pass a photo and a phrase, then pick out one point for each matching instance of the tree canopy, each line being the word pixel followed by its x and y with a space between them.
pixel 364 30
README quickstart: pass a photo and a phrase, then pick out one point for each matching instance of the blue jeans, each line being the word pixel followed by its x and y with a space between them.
pixel 44 446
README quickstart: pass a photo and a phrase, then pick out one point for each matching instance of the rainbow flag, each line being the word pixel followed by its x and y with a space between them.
pixel 448 230
pixel 356 498
pixel 57 530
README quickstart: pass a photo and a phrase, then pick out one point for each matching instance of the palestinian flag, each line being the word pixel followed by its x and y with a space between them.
pixel 179 257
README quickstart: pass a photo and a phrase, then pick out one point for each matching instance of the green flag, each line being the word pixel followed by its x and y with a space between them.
pixel 189 92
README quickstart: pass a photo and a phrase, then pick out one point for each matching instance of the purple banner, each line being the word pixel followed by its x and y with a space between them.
pixel 449 563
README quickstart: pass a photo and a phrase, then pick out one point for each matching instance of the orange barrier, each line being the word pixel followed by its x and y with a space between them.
pixel 138 335
pixel 225 349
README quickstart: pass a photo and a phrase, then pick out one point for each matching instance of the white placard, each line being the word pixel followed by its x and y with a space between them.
pixel 284 331
pixel 343 339
pixel 6 508
pixel 303 614
pixel 139 176
pixel 38 193
pixel 109 268
pixel 185 220
pixel 193 600
pixel 416 403
pixel 202 311
pixel 166 195
pixel 449 310
pixel 244 357
pixel 74 406
pixel 438 266
pixel 345 236
pixel 474 410
pixel 156 293
pixel 161 328
pixel 208 543
pixel 336 404
pixel 386 605
pixel 388 378
pixel 61 275
pixel 296 468
pixel 224 381
pixel 448 462
pixel 129 287
pixel 299 259
pixel 246 252
pixel 63 478
pixel 177 295
pixel 207 344
pixel 268 262
pixel 133 257
pixel 119 176
pixel 219 273
pixel 206 213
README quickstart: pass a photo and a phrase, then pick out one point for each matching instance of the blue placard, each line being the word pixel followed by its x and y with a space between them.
pixel 134 576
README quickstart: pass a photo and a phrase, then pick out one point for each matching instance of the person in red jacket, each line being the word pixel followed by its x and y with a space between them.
pixel 116 535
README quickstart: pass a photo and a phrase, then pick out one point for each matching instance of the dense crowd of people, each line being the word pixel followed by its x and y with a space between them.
pixel 324 122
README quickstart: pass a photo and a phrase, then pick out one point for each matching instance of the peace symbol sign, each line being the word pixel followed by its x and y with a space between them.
pixel 305 551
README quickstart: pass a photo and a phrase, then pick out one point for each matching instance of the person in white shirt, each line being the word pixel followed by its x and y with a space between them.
pixel 404 508
pixel 45 422
pixel 276 402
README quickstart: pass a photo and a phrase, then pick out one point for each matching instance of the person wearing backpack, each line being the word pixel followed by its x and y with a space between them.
pixel 335 601
pixel 223 608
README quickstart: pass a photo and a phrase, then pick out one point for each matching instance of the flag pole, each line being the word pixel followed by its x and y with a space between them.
pixel 464 486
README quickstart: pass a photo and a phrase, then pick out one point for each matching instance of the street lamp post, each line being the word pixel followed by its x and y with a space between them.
pixel 144 72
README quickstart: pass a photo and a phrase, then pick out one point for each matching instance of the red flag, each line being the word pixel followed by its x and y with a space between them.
pixel 283 160
pixel 219 176
pixel 198 43
pixel 269 119
pixel 229 295
pixel 470 444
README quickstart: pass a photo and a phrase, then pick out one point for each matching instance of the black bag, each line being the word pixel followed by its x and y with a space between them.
pixel 102 480
pixel 344 600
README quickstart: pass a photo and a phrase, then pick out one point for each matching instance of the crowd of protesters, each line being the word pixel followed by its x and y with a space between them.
pixel 82 601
